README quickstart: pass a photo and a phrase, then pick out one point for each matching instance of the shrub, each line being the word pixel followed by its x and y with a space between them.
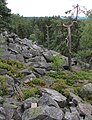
pixel 33 92
pixel 57 62
pixel 38 81
pixel 13 67
pixel 3 89
pixel 59 85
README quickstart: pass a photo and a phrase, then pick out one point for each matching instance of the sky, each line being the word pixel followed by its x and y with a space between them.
pixel 41 8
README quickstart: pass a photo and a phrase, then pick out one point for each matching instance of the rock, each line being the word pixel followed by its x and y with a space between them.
pixel 27 103
pixel 59 98
pixel 47 100
pixel 43 113
pixel 45 65
pixel 20 58
pixel 27 55
pixel 17 114
pixel 86 90
pixel 12 51
pixel 27 71
pixel 73 110
pixel 3 71
pixel 47 55
pixel 26 42
pixel 28 77
pixel 35 59
pixel 74 98
pixel 71 116
pixel 88 117
pixel 2 117
pixel 9 110
pixel 2 111
pixel 13 35
pixel 40 71
pixel 1 100
pixel 84 109
pixel 7 55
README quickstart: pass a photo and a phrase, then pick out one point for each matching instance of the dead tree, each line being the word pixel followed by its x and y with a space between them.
pixel 69 25
pixel 69 42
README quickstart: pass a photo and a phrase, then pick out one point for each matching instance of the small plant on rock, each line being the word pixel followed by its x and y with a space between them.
pixel 57 62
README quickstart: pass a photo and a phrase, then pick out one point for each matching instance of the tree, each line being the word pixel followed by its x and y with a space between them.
pixel 5 15
pixel 85 52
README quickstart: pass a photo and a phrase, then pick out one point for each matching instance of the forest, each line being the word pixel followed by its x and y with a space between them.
pixel 50 32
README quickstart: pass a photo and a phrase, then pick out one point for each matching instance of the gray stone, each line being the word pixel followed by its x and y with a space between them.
pixel 17 114
pixel 75 99
pixel 47 100
pixel 27 103
pixel 1 100
pixel 2 117
pixel 88 117
pixel 45 65
pixel 47 55
pixel 26 42
pixel 27 71
pixel 40 71
pixel 9 109
pixel 2 111
pixel 43 113
pixel 71 116
pixel 84 109
pixel 86 90
pixel 20 58
pixel 59 98
pixel 29 77
pixel 3 71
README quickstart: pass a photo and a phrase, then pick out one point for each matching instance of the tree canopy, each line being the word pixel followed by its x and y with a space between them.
pixel 5 13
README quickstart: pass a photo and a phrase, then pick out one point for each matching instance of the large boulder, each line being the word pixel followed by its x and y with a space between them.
pixel 43 113
pixel 47 100
pixel 86 91
pixel 59 98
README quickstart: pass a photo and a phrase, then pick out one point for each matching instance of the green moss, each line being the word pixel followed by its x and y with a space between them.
pixel 13 67
pixel 3 89
pixel 38 81
pixel 33 92
pixel 59 85
pixel 71 78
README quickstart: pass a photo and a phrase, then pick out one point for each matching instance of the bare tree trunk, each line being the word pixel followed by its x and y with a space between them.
pixel 69 48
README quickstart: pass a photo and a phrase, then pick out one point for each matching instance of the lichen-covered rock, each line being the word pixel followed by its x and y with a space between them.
pixel 86 90
pixel 43 113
